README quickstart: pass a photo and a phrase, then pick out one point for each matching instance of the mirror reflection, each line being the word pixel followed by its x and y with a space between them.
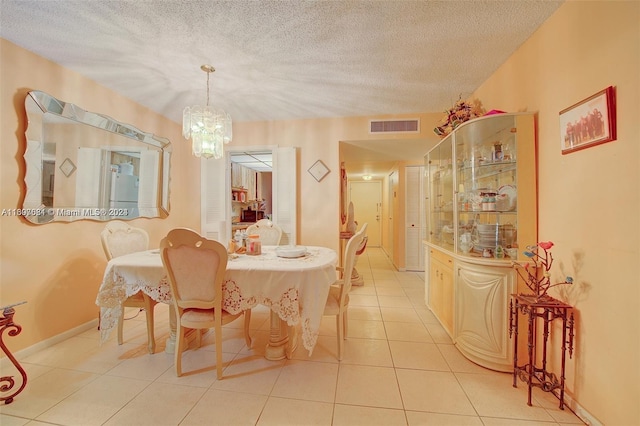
pixel 83 165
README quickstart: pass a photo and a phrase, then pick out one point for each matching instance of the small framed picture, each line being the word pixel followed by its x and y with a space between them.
pixel 67 167
pixel 319 170
pixel 589 122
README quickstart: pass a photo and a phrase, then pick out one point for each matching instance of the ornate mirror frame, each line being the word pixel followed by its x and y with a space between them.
pixel 84 165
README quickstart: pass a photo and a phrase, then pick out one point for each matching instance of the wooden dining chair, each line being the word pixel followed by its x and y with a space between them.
pixel 196 268
pixel 338 299
pixel 270 233
pixel 119 238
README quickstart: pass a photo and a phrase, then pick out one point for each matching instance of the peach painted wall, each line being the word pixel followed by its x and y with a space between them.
pixel 588 200
pixel 57 267
pixel 319 139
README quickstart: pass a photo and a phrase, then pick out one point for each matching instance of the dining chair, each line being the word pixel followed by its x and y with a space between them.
pixel 196 268
pixel 270 233
pixel 338 299
pixel 119 238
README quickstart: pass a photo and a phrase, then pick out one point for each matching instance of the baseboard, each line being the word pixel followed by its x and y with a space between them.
pixel 579 411
pixel 23 353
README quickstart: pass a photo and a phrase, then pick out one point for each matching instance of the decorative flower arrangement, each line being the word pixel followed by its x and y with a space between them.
pixel 542 261
pixel 462 111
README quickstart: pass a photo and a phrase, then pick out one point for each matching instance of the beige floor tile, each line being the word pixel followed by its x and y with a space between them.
pixel 250 374
pixel 426 316
pixel 494 396
pixel 32 370
pixel 438 333
pixel 198 369
pixel 368 386
pixel 158 404
pixel 417 355
pixel 148 367
pixel 233 340
pixel 396 291
pixel 408 332
pixel 458 363
pixel 326 350
pixel 285 412
pixel 361 329
pixel 416 296
pixel 366 289
pixel 389 282
pixel 417 418
pixel 46 391
pixel 365 313
pixel 353 415
pixel 311 381
pixel 433 391
pixel 494 421
pixel 328 326
pixel 95 403
pixel 366 352
pixel 395 302
pixel 399 315
pixel 362 300
pixel 65 354
pixel 226 408
pixel 6 420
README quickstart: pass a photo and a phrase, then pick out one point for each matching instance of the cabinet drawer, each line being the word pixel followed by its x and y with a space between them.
pixel 442 257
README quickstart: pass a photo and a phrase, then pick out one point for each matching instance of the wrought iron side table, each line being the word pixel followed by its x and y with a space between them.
pixel 534 373
pixel 7 382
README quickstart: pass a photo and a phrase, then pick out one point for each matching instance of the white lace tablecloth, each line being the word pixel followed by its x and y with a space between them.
pixel 296 289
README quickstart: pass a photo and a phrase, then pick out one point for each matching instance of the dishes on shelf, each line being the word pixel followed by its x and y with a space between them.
pixel 507 198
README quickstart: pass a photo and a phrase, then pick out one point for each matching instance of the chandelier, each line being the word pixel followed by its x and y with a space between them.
pixel 208 128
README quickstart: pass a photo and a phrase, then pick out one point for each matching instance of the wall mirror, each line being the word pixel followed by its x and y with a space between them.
pixel 83 165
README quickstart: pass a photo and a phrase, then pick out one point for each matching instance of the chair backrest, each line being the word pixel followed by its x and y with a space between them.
pixel 270 233
pixel 195 268
pixel 119 238
pixel 349 261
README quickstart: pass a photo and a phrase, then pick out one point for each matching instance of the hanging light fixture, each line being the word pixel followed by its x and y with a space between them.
pixel 208 128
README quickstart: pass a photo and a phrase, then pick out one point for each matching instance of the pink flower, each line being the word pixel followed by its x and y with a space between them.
pixel 546 245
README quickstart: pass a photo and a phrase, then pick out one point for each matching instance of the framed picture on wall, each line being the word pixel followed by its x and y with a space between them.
pixel 319 170
pixel 590 122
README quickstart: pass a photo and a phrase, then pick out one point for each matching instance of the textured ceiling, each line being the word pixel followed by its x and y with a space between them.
pixel 279 60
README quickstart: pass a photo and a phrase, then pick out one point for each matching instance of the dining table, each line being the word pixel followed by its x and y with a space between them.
pixel 295 288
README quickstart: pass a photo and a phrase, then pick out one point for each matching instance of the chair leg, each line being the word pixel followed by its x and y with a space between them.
pixel 345 323
pixel 179 349
pixel 120 324
pixel 218 329
pixel 247 321
pixel 340 337
pixel 149 306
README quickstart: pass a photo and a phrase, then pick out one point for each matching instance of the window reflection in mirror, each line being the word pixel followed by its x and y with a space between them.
pixel 83 165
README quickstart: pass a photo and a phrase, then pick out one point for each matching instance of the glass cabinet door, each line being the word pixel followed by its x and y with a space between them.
pixel 486 186
pixel 440 202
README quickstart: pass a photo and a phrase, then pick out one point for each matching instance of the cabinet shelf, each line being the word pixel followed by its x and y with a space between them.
pixel 480 282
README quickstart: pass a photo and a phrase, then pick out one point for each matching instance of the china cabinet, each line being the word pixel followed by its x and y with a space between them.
pixel 480 197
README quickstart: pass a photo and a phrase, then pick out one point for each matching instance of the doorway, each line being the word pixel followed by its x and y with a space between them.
pixel 367 206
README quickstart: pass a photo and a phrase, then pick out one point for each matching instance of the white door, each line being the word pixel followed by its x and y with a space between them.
pixel 415 221
pixel 367 208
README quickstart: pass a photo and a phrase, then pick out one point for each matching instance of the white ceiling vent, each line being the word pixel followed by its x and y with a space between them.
pixel 395 126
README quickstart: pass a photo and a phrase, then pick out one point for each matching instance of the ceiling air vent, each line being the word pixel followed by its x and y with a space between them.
pixel 394 126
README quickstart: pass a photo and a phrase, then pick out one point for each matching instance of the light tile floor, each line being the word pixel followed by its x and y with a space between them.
pixel 399 368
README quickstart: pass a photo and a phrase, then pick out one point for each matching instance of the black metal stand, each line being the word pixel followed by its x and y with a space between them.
pixel 546 309
pixel 7 382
